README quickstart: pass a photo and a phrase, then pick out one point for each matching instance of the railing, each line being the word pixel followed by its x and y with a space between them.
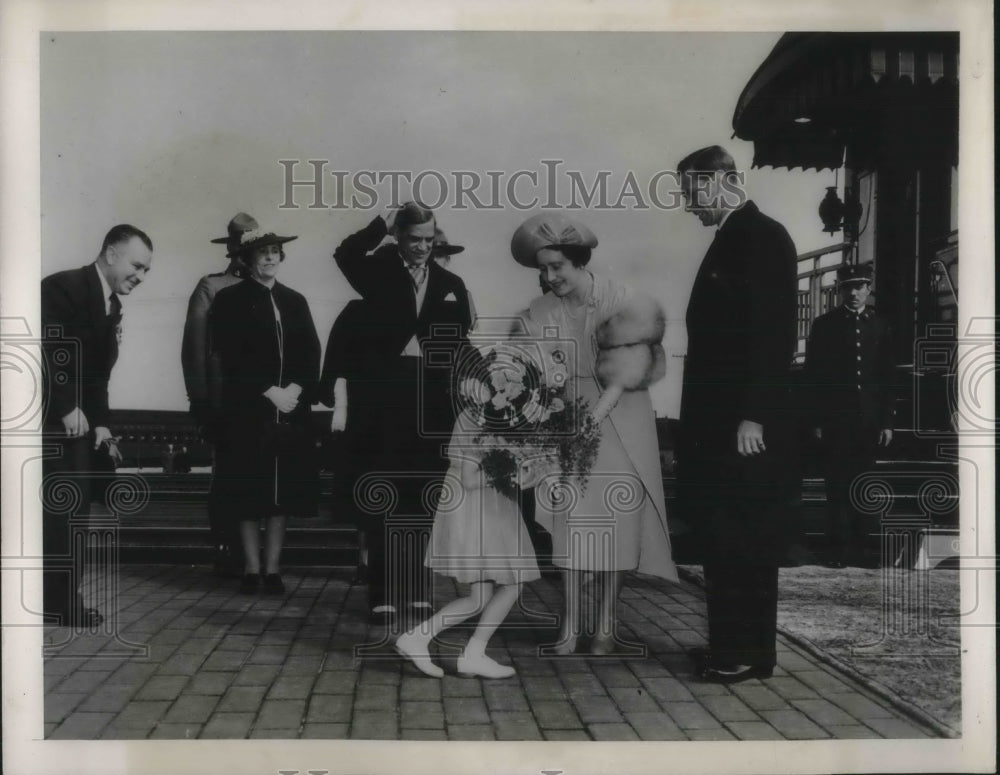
pixel 817 293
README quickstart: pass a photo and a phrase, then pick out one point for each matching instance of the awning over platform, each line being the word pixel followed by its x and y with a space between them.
pixel 871 94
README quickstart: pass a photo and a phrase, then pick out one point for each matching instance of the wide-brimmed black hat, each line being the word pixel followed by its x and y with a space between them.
pixel 854 273
pixel 442 247
pixel 245 234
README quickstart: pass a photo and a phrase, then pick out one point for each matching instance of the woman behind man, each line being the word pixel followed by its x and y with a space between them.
pixel 617 521
pixel 269 353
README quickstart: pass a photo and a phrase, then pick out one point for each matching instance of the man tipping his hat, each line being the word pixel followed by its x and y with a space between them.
pixel 849 373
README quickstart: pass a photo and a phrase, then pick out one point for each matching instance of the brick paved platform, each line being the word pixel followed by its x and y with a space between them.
pixel 190 657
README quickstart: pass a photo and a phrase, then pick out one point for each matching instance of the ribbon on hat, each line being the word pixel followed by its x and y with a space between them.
pixel 568 236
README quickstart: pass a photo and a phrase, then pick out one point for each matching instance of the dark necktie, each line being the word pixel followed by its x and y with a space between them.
pixel 116 306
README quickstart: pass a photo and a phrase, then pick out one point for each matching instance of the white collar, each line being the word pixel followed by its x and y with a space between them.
pixel 408 266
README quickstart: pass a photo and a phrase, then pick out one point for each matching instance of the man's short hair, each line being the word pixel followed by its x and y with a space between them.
pixel 123 232
pixel 412 214
pixel 712 159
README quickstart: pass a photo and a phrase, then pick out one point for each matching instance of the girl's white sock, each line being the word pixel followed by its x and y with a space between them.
pixel 476 647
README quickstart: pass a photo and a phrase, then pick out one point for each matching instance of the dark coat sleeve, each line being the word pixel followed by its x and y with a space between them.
pixel 771 324
pixel 886 399
pixel 815 372
pixel 77 360
pixel 343 349
pixel 302 350
pixel 195 348
pixel 62 358
pixel 467 358
pixel 351 256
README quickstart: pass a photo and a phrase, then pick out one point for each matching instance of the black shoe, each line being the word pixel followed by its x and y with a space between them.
pixel 250 584
pixel 730 674
pixel 273 585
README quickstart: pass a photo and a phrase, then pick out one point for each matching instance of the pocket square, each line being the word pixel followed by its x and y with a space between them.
pixel 450 296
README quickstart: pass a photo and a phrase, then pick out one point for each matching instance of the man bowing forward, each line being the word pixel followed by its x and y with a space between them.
pixel 81 330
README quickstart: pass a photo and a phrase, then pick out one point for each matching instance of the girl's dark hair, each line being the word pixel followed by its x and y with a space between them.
pixel 577 255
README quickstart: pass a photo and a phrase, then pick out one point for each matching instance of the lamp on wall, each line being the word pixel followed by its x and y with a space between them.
pixel 835 214
pixel 831 211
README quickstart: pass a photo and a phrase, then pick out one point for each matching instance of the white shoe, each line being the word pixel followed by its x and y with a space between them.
pixel 484 667
pixel 421 604
pixel 384 609
pixel 414 648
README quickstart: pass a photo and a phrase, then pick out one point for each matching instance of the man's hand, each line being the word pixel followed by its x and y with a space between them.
pixel 389 216
pixel 101 434
pixel 885 437
pixel 281 398
pixel 338 422
pixel 818 434
pixel 75 423
pixel 750 438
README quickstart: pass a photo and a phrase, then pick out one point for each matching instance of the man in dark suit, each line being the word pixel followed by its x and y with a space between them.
pixel 421 319
pixel 81 330
pixel 848 371
pixel 203 379
pixel 736 432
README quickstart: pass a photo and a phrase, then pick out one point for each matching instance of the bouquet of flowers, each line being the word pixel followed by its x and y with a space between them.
pixel 526 423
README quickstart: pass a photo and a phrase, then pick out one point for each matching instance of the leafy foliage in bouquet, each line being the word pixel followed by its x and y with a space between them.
pixel 528 424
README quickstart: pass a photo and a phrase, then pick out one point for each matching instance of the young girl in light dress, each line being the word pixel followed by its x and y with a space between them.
pixel 478 539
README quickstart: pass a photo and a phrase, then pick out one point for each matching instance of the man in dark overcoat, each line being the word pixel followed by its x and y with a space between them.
pixel 417 340
pixel 849 374
pixel 737 433
pixel 81 330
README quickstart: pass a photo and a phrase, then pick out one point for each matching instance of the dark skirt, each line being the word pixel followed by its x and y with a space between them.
pixel 264 469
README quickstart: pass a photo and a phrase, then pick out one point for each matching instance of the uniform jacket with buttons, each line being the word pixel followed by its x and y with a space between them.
pixel 849 368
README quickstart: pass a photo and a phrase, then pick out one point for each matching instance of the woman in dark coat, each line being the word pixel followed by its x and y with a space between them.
pixel 269 352
pixel 349 385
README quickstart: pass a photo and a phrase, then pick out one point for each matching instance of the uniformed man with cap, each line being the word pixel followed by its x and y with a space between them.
pixel 849 371
pixel 203 377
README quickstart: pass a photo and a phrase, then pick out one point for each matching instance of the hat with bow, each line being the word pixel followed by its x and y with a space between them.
pixel 548 230
pixel 245 234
